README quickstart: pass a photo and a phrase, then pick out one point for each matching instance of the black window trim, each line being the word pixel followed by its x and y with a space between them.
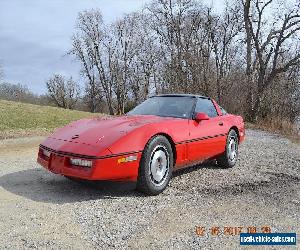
pixel 222 114
pixel 207 98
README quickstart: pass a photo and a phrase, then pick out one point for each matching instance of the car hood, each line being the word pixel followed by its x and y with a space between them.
pixel 102 131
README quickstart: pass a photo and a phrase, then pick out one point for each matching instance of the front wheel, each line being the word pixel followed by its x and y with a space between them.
pixel 156 166
pixel 230 156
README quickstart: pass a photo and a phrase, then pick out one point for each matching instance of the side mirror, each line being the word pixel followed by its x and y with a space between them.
pixel 201 117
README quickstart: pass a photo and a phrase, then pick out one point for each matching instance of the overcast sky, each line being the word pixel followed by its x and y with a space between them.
pixel 35 35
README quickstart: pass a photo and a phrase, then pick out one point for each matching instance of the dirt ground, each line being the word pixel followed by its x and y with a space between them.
pixel 41 210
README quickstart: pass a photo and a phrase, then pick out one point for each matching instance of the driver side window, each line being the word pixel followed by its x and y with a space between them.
pixel 206 106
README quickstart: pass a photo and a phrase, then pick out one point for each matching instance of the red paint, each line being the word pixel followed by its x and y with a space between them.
pixel 106 140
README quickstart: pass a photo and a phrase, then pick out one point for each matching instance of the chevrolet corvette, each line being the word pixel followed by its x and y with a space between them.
pixel 163 134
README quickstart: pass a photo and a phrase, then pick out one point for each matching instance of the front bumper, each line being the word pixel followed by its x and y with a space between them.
pixel 104 168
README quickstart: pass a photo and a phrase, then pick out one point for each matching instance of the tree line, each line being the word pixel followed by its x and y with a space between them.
pixel 247 57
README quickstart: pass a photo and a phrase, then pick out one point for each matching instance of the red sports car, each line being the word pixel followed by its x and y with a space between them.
pixel 162 134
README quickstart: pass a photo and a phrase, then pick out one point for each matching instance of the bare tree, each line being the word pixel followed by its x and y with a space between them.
pixel 15 92
pixel 124 50
pixel 92 90
pixel 183 46
pixel 142 57
pixel 223 32
pixel 64 93
pixel 90 27
pixel 175 23
pixel 88 47
pixel 271 43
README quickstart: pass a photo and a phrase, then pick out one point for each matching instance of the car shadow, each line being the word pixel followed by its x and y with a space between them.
pixel 211 164
pixel 39 185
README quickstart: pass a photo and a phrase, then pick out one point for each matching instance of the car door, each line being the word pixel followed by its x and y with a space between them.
pixel 207 137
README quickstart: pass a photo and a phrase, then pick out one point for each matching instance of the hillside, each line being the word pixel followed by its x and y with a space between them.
pixel 22 119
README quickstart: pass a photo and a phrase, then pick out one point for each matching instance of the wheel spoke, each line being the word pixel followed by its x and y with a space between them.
pixel 159 165
pixel 232 149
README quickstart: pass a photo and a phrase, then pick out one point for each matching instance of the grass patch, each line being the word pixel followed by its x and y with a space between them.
pixel 275 125
pixel 22 119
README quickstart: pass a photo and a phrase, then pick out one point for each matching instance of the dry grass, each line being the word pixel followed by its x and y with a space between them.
pixel 276 125
pixel 22 119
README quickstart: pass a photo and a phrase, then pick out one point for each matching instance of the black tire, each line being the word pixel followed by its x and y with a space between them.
pixel 156 162
pixel 228 159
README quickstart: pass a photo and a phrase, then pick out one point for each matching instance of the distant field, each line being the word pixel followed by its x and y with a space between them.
pixel 22 119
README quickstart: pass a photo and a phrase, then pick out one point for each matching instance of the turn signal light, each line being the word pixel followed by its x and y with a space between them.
pixel 127 159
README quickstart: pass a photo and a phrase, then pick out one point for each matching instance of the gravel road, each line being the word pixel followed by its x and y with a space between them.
pixel 41 210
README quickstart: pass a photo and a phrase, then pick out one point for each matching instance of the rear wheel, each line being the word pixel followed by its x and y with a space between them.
pixel 230 156
pixel 156 166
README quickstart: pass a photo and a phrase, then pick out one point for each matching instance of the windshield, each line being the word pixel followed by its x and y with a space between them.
pixel 173 106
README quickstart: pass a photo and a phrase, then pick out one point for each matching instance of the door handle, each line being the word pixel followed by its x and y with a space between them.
pixel 221 123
